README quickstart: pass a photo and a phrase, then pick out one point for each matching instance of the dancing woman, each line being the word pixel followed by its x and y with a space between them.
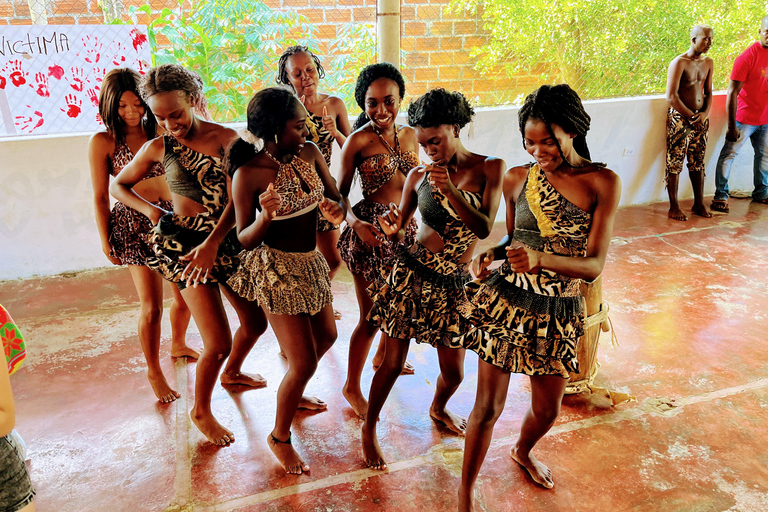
pixel 122 230
pixel 457 195
pixel 195 246
pixel 382 154
pixel 528 314
pixel 276 191
pixel 327 121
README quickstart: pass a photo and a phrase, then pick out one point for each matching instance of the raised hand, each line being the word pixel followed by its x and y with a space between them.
pixel 390 221
pixel 270 202
pixel 523 259
pixel 480 263
pixel 439 179
pixel 332 211
pixel 329 123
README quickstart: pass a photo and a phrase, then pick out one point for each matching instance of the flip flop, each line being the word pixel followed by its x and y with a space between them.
pixel 720 206
pixel 761 201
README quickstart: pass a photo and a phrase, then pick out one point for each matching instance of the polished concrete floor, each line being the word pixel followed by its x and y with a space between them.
pixel 689 305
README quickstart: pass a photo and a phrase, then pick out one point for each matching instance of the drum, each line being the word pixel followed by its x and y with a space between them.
pixel 595 321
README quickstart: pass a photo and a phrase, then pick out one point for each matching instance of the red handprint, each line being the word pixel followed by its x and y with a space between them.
pixel 56 71
pixel 98 74
pixel 18 76
pixel 141 66
pixel 119 58
pixel 42 85
pixel 73 105
pixel 92 54
pixel 93 95
pixel 77 79
pixel 138 39
pixel 30 123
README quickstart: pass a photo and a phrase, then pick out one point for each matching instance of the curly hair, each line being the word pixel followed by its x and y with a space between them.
pixel 282 72
pixel 268 111
pixel 558 104
pixel 115 84
pixel 367 76
pixel 438 107
pixel 173 77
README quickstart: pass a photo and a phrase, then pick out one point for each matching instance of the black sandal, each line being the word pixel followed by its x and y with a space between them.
pixel 720 206
pixel 277 441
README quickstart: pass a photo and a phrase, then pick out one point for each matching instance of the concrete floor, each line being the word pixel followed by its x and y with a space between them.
pixel 689 306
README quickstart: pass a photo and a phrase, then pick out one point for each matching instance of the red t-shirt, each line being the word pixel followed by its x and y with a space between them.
pixel 751 67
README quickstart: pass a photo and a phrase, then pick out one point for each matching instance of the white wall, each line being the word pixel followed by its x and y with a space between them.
pixel 46 209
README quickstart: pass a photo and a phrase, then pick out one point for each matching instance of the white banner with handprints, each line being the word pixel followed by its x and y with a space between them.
pixel 51 75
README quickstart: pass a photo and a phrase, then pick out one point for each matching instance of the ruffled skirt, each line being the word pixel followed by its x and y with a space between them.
pixel 128 232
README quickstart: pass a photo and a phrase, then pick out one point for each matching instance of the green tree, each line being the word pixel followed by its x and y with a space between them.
pixel 607 48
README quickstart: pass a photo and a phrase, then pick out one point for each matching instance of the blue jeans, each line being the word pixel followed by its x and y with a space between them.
pixel 758 135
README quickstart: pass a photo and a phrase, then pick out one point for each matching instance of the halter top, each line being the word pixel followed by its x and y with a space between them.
pixel 295 200
pixel 123 156
pixel 375 171
pixel 195 175
pixel 438 213
pixel 320 136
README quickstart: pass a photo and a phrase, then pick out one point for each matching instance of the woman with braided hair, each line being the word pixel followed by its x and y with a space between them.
pixel 527 315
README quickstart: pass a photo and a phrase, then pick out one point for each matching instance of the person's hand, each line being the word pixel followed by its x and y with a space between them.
pixel 270 201
pixel 390 221
pixel 329 123
pixel 201 260
pixel 523 259
pixel 733 134
pixel 479 265
pixel 438 178
pixel 695 118
pixel 369 233
pixel 331 210
pixel 107 249
pixel 156 214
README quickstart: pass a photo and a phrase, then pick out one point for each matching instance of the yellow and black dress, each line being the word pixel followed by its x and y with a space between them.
pixel 530 323
pixel 421 297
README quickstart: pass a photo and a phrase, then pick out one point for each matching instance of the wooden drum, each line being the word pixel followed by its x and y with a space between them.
pixel 595 321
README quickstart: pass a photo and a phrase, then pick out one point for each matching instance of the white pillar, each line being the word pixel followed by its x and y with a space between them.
pixel 388 30
pixel 38 11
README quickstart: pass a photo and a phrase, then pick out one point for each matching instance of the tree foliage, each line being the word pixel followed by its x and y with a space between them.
pixel 606 48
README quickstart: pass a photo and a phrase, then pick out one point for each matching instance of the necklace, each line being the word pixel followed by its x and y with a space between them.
pixel 396 153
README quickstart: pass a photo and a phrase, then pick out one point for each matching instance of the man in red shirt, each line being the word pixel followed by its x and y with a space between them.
pixel 747 108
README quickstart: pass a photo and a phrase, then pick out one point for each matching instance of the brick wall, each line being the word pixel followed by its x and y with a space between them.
pixel 436 42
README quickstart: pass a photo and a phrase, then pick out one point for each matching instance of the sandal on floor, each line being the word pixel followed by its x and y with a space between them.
pixel 720 206
pixel 761 201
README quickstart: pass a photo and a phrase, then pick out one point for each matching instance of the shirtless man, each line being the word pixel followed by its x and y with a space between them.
pixel 689 93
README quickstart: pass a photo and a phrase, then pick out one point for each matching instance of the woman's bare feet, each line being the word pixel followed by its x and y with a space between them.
pixel 251 380
pixel 408 368
pixel 538 471
pixel 701 210
pixel 184 351
pixel 357 401
pixel 676 213
pixel 450 420
pixel 212 429
pixel 162 390
pixel 312 403
pixel 371 450
pixel 286 455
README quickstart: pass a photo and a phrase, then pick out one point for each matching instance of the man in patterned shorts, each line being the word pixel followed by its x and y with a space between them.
pixel 689 93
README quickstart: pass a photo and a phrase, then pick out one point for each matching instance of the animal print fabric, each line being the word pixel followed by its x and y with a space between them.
pixel 685 140
pixel 421 297
pixel 361 258
pixel 530 323
pixel 128 233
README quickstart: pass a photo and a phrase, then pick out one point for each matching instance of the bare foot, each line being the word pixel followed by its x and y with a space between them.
pixel 162 390
pixel 252 380
pixel 701 210
pixel 450 420
pixel 312 403
pixel 336 314
pixel 185 351
pixel 408 368
pixel 676 214
pixel 357 401
pixel 212 429
pixel 372 452
pixel 538 471
pixel 286 455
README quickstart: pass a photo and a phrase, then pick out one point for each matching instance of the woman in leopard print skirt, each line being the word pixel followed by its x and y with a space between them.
pixel 528 314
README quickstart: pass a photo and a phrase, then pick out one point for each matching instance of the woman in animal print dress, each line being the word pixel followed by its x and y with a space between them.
pixel 528 314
